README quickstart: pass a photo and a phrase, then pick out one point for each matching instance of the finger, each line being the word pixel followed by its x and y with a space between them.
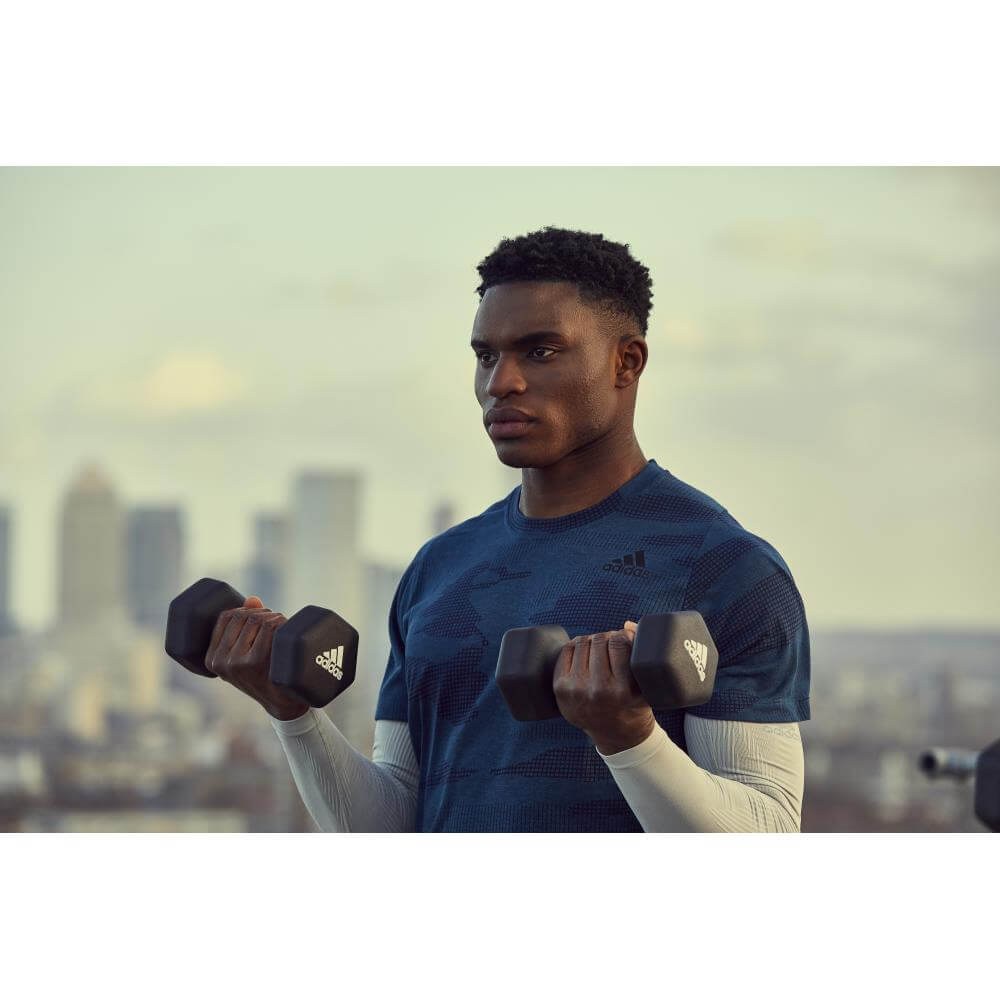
pixel 262 624
pixel 569 656
pixel 253 602
pixel 564 662
pixel 229 626
pixel 221 624
pixel 598 665
pixel 251 626
pixel 231 633
pixel 580 667
pixel 620 657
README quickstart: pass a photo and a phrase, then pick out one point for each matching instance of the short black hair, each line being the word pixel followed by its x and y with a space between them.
pixel 605 273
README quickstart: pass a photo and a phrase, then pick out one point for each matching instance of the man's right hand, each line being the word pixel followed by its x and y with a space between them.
pixel 240 653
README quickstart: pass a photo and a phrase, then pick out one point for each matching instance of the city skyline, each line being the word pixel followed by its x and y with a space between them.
pixel 117 556
pixel 262 566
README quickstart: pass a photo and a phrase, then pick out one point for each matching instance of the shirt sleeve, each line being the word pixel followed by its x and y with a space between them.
pixel 756 617
pixel 740 777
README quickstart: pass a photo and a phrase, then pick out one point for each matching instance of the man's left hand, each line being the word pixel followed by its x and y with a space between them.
pixel 596 692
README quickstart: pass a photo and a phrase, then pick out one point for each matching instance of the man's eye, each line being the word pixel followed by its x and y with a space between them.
pixel 484 354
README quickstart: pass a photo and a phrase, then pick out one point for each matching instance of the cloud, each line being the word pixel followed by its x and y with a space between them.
pixel 786 242
pixel 803 244
pixel 188 382
pixel 398 279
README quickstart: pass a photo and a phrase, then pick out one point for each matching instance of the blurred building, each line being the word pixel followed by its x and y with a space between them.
pixel 268 562
pixel 91 567
pixel 324 561
pixel 154 557
pixel 148 672
pixel 6 618
pixel 373 650
pixel 324 567
pixel 22 777
pixel 443 518
pixel 83 712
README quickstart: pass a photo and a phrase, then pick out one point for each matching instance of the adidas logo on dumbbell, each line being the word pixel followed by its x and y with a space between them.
pixel 698 652
pixel 331 661
pixel 663 650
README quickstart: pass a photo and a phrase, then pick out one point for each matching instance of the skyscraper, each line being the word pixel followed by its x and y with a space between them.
pixel 325 567
pixel 443 517
pixel 268 565
pixel 153 563
pixel 324 560
pixel 91 567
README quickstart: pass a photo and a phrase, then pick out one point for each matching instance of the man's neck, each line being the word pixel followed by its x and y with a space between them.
pixel 578 482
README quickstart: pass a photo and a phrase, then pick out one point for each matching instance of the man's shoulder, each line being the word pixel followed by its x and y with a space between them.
pixel 734 560
pixel 728 532
pixel 698 503
pixel 729 558
pixel 722 532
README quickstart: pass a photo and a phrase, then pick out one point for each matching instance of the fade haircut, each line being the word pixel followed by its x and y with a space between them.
pixel 606 275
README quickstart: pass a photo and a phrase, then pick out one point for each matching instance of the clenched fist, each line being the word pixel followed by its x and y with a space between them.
pixel 596 692
pixel 240 653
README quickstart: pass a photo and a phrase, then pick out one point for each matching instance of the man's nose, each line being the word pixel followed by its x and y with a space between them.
pixel 505 378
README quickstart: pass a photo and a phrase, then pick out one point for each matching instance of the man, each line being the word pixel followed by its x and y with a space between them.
pixel 595 537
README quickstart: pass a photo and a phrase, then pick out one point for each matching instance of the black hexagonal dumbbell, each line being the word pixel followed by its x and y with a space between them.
pixel 987 796
pixel 314 654
pixel 984 766
pixel 673 661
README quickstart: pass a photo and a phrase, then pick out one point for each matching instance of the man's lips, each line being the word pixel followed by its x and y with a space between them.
pixel 509 428
pixel 506 415
pixel 507 422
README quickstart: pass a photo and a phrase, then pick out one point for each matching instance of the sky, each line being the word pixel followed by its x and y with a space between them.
pixel 823 356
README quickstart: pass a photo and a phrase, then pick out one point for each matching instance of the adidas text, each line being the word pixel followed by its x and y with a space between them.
pixel 698 652
pixel 332 661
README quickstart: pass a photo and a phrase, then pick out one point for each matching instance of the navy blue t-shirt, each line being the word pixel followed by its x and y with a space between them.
pixel 655 545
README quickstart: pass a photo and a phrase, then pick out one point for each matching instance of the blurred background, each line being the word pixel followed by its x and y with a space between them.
pixel 263 375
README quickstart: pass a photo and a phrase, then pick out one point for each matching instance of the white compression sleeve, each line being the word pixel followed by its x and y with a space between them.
pixel 740 777
pixel 343 790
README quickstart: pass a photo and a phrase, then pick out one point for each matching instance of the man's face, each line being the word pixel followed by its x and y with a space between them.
pixel 542 351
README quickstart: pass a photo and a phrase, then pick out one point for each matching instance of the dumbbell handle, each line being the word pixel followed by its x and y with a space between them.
pixel 951 762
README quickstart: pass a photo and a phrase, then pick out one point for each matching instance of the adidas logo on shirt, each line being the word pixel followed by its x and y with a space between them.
pixel 332 661
pixel 698 652
pixel 630 565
